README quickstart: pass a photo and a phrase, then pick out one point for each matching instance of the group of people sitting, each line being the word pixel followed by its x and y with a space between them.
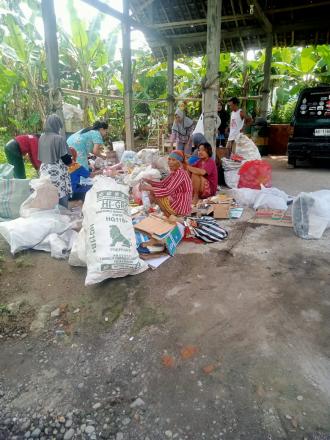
pixel 192 176
pixel 186 184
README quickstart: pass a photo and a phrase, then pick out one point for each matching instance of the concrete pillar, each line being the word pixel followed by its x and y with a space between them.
pixel 211 83
pixel 170 87
pixel 127 77
pixel 267 71
pixel 52 63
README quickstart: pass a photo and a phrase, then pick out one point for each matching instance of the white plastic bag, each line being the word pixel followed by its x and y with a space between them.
pixel 311 214
pixel 73 116
pixel 148 155
pixel 231 168
pixel 110 238
pixel 246 148
pixel 129 158
pixel 58 244
pixel 43 198
pixel 77 255
pixel 199 126
pixel 142 172
pixel 271 198
pixel 26 233
pixel 245 196
pixel 119 148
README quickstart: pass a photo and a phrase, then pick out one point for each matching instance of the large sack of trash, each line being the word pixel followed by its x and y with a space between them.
pixel 13 192
pixel 246 148
pixel 142 172
pixel 311 214
pixel 231 169
pixel 109 233
pixel 265 198
pixel 43 198
pixel 148 155
pixel 255 173
pixel 28 233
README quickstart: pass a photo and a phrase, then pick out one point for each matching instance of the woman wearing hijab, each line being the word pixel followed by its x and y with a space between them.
pixel 174 194
pixel 181 131
pixel 54 156
pixel 88 140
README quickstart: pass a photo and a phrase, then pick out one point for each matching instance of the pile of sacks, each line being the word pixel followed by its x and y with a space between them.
pixel 106 243
pixel 245 169
pixel 41 225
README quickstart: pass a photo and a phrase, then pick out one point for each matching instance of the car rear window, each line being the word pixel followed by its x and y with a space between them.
pixel 314 105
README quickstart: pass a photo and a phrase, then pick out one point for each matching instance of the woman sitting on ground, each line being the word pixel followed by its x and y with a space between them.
pixel 173 194
pixel 204 174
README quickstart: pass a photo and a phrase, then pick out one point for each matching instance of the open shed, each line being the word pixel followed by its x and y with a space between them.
pixel 195 27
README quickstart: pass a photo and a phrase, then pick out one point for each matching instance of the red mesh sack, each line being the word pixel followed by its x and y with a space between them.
pixel 255 173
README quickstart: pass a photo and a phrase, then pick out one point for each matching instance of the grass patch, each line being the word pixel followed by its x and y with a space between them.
pixel 23 262
pixel 116 305
pixel 147 317
pixel 4 310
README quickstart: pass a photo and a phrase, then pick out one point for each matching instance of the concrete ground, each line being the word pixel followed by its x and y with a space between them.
pixel 223 341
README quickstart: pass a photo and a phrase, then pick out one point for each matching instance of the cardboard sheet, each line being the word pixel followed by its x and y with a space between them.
pixel 154 226
pixel 221 211
pixel 155 262
pixel 273 217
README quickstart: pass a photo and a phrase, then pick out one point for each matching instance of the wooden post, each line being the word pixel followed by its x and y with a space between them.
pixel 267 71
pixel 127 77
pixel 170 87
pixel 55 96
pixel 211 84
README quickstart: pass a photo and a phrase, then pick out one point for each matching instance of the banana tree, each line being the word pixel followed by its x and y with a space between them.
pixel 83 55
pixel 22 67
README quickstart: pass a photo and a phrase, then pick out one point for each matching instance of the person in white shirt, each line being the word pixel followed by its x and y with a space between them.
pixel 238 119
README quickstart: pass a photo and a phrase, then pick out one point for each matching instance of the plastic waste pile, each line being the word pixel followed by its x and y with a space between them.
pixel 245 169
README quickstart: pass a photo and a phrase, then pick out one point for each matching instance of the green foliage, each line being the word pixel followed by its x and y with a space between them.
pixel 283 114
pixel 87 62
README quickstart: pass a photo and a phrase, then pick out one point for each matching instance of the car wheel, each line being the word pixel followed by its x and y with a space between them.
pixel 292 162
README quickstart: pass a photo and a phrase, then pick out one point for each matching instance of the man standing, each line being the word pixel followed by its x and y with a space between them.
pixel 238 119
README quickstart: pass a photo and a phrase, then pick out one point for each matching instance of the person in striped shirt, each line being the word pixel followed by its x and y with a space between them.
pixel 174 194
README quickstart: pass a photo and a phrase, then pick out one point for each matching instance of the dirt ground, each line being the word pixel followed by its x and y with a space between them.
pixel 223 341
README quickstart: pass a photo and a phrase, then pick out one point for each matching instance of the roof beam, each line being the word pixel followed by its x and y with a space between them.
pixel 229 18
pixel 297 8
pixel 200 37
pixel 262 16
pixel 106 9
pixel 198 22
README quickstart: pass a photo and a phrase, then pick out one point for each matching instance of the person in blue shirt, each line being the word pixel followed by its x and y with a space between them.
pixel 76 171
pixel 88 140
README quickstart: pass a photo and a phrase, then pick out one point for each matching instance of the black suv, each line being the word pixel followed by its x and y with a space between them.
pixel 310 138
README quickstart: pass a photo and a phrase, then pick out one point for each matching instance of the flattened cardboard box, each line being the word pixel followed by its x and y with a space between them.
pixel 273 217
pixel 221 211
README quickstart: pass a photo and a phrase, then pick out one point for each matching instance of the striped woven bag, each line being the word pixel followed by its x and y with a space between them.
pixel 209 230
